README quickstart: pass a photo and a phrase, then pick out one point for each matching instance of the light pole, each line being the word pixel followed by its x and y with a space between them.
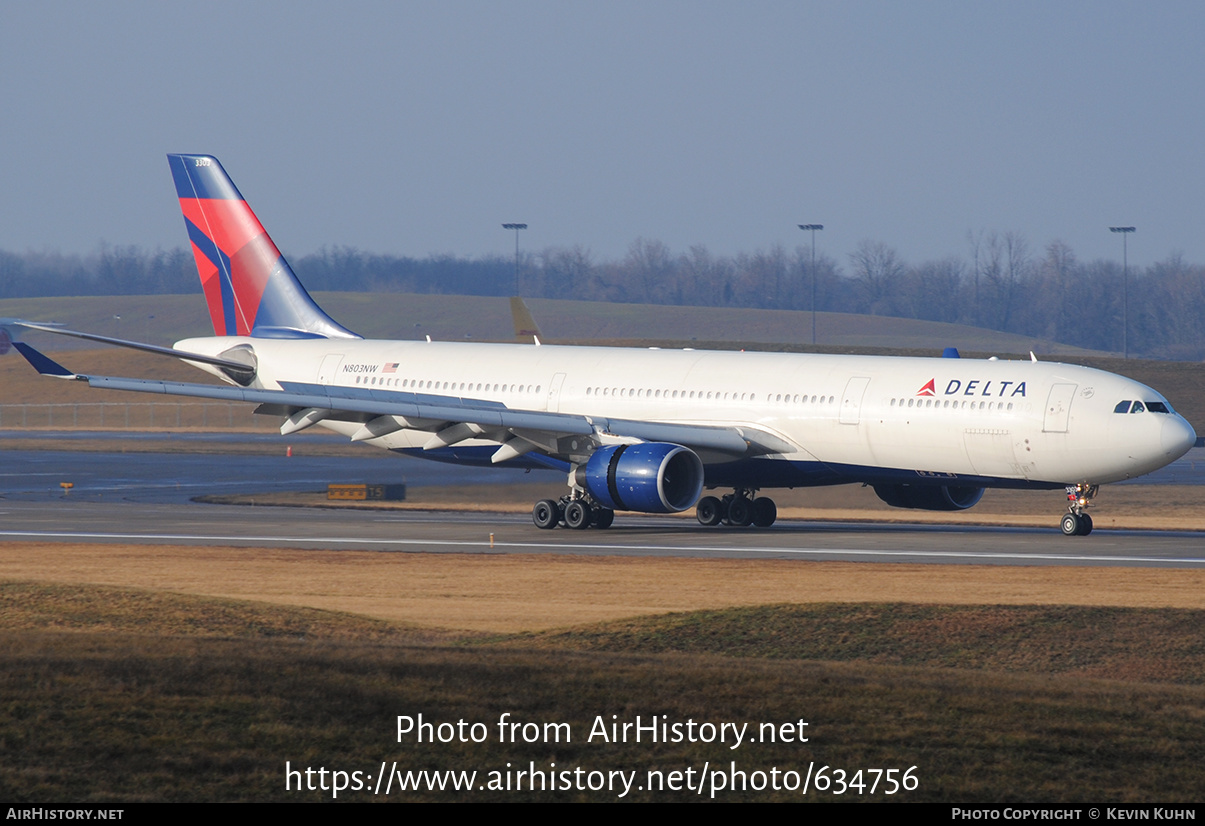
pixel 516 228
pixel 1125 289
pixel 812 229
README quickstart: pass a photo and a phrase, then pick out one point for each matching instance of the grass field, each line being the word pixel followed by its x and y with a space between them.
pixel 123 694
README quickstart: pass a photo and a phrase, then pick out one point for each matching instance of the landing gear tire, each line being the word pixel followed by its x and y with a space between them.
pixel 577 515
pixel 740 512
pixel 709 511
pixel 1085 524
pixel 1072 525
pixel 764 512
pixel 603 517
pixel 546 514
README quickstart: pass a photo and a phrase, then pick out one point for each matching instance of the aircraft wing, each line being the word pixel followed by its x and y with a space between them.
pixel 450 419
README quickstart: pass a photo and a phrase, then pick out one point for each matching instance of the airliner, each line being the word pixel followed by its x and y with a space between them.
pixel 646 430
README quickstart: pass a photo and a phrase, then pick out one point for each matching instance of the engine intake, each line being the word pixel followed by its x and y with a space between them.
pixel 651 477
pixel 929 497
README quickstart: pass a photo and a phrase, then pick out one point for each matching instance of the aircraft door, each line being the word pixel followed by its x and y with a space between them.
pixel 851 400
pixel 329 368
pixel 553 402
pixel 1058 408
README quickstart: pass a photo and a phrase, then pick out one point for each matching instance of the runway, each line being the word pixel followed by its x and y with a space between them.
pixel 145 499
pixel 442 532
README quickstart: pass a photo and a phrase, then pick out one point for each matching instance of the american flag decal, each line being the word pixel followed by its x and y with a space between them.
pixel 391 367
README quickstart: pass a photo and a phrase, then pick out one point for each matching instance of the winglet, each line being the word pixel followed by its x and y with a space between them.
pixel 44 365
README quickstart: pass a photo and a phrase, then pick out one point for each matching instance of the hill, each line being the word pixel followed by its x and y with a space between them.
pixel 162 319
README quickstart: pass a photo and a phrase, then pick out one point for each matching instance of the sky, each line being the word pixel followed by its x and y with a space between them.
pixel 417 129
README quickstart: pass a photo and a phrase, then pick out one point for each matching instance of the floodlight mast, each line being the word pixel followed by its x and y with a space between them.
pixel 1125 288
pixel 516 228
pixel 812 229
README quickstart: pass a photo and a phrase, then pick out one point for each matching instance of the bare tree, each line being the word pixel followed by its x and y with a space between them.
pixel 878 270
pixel 1058 268
pixel 649 269
pixel 936 289
pixel 565 272
pixel 705 279
pixel 1017 267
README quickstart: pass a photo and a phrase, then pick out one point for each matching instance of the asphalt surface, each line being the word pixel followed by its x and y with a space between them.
pixel 146 498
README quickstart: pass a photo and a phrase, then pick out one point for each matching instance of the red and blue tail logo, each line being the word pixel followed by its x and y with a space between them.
pixel 248 285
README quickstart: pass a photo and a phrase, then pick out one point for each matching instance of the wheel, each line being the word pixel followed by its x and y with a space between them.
pixel 577 515
pixel 1085 524
pixel 764 512
pixel 740 512
pixel 546 514
pixel 709 511
pixel 603 517
pixel 1071 524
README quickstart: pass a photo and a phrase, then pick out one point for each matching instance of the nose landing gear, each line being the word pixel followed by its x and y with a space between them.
pixel 1079 497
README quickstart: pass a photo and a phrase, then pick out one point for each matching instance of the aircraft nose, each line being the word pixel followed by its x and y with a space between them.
pixel 1177 437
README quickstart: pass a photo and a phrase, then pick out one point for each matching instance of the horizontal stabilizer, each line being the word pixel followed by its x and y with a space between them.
pixel 235 368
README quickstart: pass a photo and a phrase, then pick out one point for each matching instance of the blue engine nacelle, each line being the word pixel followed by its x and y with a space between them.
pixel 929 497
pixel 651 477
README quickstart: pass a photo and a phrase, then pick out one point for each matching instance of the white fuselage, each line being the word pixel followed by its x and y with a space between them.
pixel 1007 422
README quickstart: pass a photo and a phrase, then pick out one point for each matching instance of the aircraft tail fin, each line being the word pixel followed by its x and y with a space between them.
pixel 525 326
pixel 250 288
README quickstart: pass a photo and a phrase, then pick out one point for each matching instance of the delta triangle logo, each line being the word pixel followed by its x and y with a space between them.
pixel 928 389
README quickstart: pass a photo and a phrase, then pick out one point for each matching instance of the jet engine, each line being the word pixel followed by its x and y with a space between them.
pixel 651 477
pixel 929 497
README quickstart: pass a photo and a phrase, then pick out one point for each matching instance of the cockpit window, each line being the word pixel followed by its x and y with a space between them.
pixel 1137 408
pixel 1158 407
pixel 1122 407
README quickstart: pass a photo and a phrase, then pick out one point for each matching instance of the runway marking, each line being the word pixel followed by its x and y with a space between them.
pixel 978 555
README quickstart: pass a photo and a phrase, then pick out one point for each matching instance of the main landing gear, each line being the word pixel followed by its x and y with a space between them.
pixel 1076 522
pixel 572 513
pixel 737 508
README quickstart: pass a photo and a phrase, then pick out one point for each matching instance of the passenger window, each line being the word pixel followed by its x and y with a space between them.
pixel 1122 407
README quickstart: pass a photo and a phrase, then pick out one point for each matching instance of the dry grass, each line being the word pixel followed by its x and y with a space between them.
pixel 514 592
pixel 208 703
pixel 1132 644
pixel 39 606
pixel 94 718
